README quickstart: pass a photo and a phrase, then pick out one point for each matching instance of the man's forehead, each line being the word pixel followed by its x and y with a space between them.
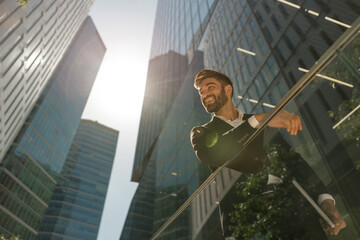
pixel 208 81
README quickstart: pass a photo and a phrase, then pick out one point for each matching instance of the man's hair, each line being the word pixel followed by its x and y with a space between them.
pixel 207 73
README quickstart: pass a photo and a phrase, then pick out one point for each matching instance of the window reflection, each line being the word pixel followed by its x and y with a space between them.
pixel 322 156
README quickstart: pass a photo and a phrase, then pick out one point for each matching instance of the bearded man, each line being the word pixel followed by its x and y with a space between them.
pixel 221 139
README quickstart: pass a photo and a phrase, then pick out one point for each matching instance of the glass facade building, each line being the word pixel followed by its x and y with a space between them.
pixel 265 47
pixel 174 59
pixel 32 165
pixel 161 89
pixel 78 199
pixel 32 42
pixel 165 184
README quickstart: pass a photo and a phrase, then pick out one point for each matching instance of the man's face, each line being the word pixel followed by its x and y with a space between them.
pixel 212 95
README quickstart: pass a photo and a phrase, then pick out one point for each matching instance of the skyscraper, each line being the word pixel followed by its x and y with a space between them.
pixel 77 203
pixel 32 165
pixel 32 42
pixel 264 47
pixel 163 131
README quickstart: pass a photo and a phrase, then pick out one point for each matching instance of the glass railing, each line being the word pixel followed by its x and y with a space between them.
pixel 322 158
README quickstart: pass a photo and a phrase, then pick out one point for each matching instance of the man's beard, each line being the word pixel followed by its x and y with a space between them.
pixel 218 103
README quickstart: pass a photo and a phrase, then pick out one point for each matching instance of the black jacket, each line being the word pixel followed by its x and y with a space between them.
pixel 217 142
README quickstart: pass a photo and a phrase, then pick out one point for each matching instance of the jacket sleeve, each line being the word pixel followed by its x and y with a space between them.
pixel 214 148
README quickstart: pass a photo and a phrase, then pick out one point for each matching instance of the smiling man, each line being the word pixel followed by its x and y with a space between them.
pixel 222 138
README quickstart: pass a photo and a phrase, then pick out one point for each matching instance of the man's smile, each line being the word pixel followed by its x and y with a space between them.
pixel 209 99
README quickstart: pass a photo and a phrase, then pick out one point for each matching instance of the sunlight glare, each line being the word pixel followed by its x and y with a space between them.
pixel 118 92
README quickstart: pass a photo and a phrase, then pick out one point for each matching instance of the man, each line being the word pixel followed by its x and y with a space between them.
pixel 221 139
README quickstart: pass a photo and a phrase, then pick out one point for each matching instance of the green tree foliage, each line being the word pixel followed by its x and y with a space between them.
pixel 23 3
pixel 350 128
pixel 2 237
pixel 278 213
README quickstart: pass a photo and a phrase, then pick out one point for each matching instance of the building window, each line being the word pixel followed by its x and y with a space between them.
pixel 259 18
pixel 272 66
pixel 249 66
pixel 281 89
pixel 272 99
pixel 297 29
pixel 263 78
pixel 326 38
pixel 292 78
pixel 283 11
pixel 243 19
pixel 259 90
pixel 237 9
pixel 247 37
pixel 242 72
pixel 268 34
pixel 301 63
pixel 276 23
pixel 265 6
pixel 313 52
pixel 288 43
pixel 256 59
pixel 254 27
pixel 31 9
pixel 262 46
pixel 279 55
pixel 252 3
pixel 247 12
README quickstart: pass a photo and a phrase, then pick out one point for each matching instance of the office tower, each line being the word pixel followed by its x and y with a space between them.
pixel 264 47
pixel 32 165
pixel 287 39
pixel 174 60
pixel 172 171
pixel 32 42
pixel 161 89
pixel 77 203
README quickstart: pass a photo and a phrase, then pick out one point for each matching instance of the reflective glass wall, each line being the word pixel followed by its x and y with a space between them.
pixel 32 166
pixel 322 158
pixel 78 199
pixel 179 27
pixel 265 47
pixel 178 31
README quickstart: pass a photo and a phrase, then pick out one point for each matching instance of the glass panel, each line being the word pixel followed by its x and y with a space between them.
pixel 264 201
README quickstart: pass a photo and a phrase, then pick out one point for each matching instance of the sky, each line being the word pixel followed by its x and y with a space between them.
pixel 116 98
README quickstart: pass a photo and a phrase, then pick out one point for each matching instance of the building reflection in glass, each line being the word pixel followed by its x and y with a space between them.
pixel 282 41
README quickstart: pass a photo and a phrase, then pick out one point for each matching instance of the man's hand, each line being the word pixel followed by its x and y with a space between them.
pixel 284 119
pixel 331 211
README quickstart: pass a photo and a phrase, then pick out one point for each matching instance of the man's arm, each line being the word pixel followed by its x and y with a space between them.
pixel 215 149
pixel 331 211
pixel 283 119
pixel 292 123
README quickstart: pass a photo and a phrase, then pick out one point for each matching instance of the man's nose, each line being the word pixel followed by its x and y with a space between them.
pixel 204 95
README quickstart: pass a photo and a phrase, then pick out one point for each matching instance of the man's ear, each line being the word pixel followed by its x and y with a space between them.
pixel 228 89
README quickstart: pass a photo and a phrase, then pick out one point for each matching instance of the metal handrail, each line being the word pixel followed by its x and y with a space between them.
pixel 323 61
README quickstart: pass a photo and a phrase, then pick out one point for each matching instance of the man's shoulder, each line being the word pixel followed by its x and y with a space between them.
pixel 215 124
pixel 200 129
pixel 210 124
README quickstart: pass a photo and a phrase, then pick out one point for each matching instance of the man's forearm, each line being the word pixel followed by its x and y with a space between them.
pixel 260 117
pixel 329 208
pixel 283 119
